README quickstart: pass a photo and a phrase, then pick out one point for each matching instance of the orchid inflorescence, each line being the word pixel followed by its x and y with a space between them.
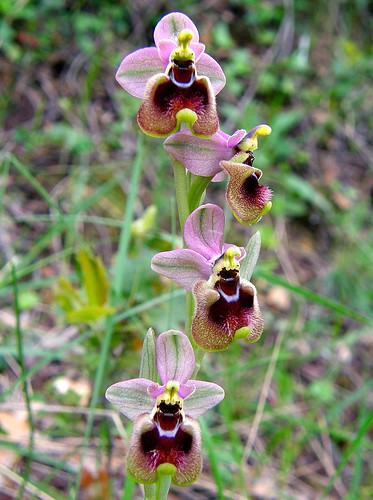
pixel 177 82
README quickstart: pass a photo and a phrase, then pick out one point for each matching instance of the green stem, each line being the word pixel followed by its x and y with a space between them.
pixel 181 188
pixel 196 191
pixel 189 191
pixel 189 313
pixel 149 491
pixel 128 488
pixel 162 487
pixel 199 355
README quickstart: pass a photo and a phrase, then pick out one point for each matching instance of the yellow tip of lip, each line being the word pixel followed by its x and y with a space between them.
pixel 250 143
pixel 262 130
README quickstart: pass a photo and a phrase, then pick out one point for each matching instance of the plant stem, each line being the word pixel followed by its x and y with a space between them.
pixel 162 487
pixel 149 491
pixel 199 355
pixel 189 313
pixel 181 188
pixel 128 488
pixel 196 191
pixel 189 191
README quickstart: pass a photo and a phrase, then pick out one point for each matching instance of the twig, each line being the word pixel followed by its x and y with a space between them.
pixel 38 407
pixel 26 484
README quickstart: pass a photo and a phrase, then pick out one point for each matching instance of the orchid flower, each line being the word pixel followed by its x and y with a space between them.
pixel 166 77
pixel 166 432
pixel 226 304
pixel 232 155
pixel 203 235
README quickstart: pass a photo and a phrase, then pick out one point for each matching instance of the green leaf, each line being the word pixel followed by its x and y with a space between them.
pixel 212 454
pixel 89 313
pixel 95 280
pixel 66 295
pixel 140 227
pixel 248 263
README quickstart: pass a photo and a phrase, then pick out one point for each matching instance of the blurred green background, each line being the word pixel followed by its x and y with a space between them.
pixel 76 183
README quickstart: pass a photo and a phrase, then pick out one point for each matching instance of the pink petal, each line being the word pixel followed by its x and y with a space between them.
pixel 165 47
pixel 198 49
pixel 223 136
pixel 131 397
pixel 236 138
pixel 175 357
pixel 207 66
pixel 199 156
pixel 184 391
pixel 156 390
pixel 170 26
pixel 228 245
pixel 184 267
pixel 203 231
pixel 219 177
pixel 205 396
pixel 136 69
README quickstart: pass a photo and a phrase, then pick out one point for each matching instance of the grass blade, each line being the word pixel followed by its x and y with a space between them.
pixel 364 428
pixel 213 458
pixel 316 298
pixel 30 420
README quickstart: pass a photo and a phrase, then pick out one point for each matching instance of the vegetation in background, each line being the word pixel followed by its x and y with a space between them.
pixel 296 422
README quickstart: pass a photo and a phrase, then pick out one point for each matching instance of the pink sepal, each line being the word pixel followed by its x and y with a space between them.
pixel 170 26
pixel 136 69
pixel 174 357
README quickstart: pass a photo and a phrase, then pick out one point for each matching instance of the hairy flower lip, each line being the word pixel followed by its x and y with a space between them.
pixel 166 105
pixel 247 199
pixel 149 452
pixel 218 315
